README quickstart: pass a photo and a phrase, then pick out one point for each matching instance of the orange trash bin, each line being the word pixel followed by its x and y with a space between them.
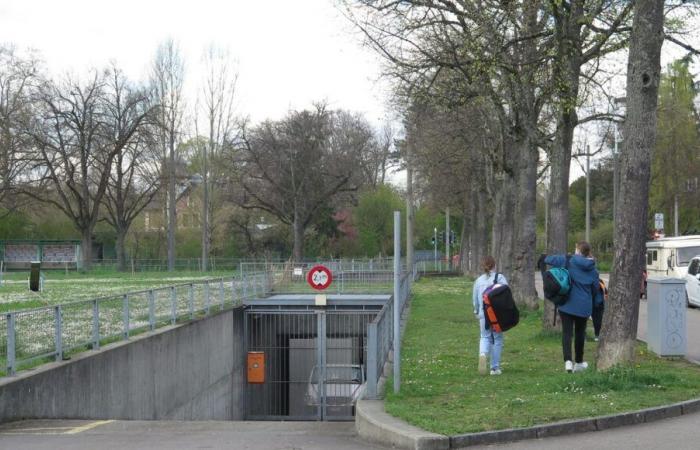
pixel 256 367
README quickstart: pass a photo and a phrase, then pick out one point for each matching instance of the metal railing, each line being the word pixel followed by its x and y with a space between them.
pixel 53 331
pixel 349 276
pixel 380 335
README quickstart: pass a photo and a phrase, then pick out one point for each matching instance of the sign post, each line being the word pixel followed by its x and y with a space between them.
pixel 397 301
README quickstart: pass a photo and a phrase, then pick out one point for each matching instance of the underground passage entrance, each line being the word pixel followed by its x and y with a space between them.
pixel 307 362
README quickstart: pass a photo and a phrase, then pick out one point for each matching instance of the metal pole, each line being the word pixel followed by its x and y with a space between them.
pixel 95 325
pixel 151 310
pixel 11 344
pixel 588 194
pixel 447 239
pixel 397 301
pixel 126 316
pixel 675 215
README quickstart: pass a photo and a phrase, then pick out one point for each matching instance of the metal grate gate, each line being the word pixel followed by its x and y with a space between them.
pixel 315 363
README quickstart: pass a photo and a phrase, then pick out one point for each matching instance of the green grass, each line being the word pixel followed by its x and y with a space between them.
pixel 62 287
pixel 442 392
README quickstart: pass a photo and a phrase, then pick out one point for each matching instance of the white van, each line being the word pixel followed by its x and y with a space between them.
pixel 669 257
pixel 692 282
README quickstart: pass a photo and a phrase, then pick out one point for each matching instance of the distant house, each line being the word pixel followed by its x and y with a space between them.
pixel 188 207
pixel 188 210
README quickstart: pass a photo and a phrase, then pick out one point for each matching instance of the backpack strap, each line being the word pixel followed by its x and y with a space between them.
pixel 556 308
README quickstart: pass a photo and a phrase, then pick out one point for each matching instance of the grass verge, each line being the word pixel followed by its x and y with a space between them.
pixel 442 392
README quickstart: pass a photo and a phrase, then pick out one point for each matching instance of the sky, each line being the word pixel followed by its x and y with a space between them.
pixel 289 53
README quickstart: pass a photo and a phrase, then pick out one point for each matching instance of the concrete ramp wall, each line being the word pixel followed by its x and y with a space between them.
pixel 193 371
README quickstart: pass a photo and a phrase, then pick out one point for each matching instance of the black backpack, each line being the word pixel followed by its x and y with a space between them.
pixel 556 284
pixel 500 312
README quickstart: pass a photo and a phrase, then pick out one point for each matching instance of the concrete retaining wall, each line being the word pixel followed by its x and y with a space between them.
pixel 193 371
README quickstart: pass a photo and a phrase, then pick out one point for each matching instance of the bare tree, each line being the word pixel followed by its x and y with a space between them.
pixel 295 167
pixel 618 339
pixel 498 50
pixel 220 126
pixel 135 178
pixel 18 77
pixel 167 77
pixel 75 144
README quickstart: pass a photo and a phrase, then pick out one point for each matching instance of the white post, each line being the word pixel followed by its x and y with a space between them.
pixel 397 301
pixel 588 194
pixel 435 242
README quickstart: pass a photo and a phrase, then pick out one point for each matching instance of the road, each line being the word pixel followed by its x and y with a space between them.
pixel 162 435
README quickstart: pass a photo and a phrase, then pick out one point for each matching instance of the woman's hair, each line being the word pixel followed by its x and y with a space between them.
pixel 488 263
pixel 584 247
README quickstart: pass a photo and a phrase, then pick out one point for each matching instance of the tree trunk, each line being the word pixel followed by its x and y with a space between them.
pixel 172 208
pixel 523 281
pixel 86 249
pixel 298 232
pixel 410 218
pixel 121 249
pixel 480 238
pixel 619 332
pixel 503 225
pixel 558 220
pixel 466 250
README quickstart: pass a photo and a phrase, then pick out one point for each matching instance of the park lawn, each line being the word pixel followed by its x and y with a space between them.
pixel 61 287
pixel 441 390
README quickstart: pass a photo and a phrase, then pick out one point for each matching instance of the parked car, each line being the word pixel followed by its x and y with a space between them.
pixel 692 282
pixel 344 384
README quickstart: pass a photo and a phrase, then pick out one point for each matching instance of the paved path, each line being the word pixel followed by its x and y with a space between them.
pixel 122 435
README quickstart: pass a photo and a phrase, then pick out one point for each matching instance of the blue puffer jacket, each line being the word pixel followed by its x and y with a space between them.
pixel 585 288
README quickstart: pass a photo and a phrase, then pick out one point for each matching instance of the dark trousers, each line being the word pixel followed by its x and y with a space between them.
pixel 597 317
pixel 571 325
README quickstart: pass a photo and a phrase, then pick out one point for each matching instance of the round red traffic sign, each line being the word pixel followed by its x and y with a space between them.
pixel 319 277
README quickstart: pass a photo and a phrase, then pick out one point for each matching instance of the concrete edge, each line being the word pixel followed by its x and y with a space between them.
pixel 577 426
pixel 374 425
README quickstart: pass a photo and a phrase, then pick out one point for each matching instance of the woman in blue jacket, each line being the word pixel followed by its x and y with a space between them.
pixel 585 290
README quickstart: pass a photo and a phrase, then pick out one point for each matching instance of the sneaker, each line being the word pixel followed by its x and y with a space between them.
pixel 496 371
pixel 569 366
pixel 580 367
pixel 596 339
pixel 482 364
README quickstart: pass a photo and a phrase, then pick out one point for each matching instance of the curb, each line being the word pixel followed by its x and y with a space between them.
pixel 375 425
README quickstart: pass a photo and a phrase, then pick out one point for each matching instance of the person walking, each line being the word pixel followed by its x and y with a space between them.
pixel 490 342
pixel 584 292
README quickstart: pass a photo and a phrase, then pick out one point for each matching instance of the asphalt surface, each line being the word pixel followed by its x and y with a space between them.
pixel 162 435
pixel 674 433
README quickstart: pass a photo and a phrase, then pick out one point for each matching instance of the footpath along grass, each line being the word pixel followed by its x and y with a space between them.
pixel 442 392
